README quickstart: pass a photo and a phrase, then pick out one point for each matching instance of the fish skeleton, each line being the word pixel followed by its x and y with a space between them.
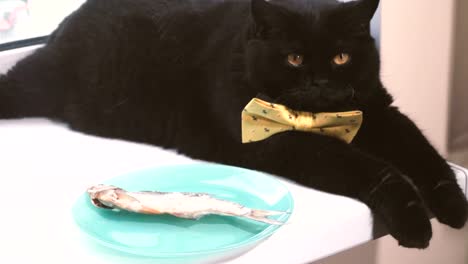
pixel 179 204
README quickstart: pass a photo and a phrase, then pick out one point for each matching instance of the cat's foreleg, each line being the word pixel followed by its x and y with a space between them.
pixel 331 165
pixel 394 137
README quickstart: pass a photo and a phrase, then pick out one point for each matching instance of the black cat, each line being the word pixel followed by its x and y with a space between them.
pixel 177 74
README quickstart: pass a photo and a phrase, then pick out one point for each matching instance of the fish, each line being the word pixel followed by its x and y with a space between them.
pixel 179 204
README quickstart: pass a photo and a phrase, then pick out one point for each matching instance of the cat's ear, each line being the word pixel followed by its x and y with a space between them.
pixel 367 8
pixel 268 17
pixel 356 16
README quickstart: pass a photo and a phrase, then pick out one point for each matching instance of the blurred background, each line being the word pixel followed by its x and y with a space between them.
pixel 424 65
pixel 25 19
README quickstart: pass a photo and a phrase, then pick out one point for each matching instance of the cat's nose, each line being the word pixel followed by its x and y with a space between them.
pixel 321 82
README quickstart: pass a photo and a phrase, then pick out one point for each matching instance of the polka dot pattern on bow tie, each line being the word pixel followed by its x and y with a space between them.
pixel 261 120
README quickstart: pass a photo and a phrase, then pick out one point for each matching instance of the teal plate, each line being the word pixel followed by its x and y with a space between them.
pixel 167 237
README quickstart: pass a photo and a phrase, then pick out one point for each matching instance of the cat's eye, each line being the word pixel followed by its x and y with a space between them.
pixel 295 60
pixel 341 59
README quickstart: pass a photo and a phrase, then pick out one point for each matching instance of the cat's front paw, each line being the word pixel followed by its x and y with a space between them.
pixel 448 203
pixel 401 209
pixel 411 227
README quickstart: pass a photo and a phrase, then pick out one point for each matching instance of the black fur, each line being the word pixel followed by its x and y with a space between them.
pixel 177 73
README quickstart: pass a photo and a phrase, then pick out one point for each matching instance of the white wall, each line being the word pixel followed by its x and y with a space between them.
pixel 458 136
pixel 416 46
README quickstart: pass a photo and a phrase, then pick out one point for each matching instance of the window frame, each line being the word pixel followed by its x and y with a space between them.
pixel 23 43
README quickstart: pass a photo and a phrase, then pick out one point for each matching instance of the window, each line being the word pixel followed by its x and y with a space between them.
pixel 27 19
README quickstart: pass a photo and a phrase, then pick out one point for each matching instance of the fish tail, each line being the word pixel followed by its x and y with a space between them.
pixel 262 216
pixel 264 219
pixel 262 213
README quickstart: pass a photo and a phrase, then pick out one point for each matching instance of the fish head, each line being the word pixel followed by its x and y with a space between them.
pixel 101 192
pixel 99 188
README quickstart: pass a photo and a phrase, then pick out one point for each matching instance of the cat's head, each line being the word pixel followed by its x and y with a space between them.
pixel 313 55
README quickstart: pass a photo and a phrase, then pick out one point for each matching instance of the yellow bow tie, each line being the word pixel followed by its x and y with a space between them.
pixel 261 120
